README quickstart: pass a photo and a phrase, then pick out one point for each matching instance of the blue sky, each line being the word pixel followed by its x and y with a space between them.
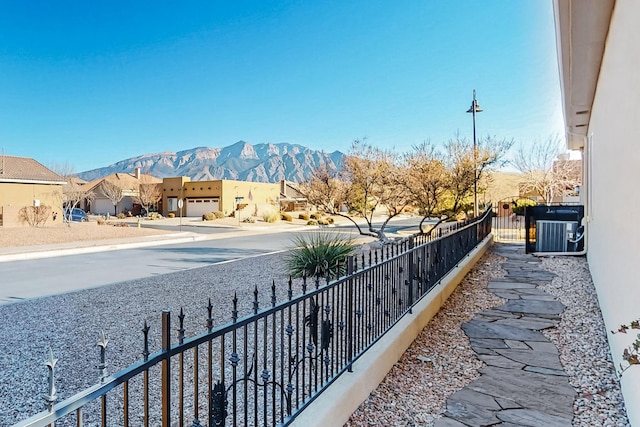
pixel 90 83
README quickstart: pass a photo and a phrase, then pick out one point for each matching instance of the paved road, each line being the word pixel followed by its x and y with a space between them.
pixel 48 276
pixel 40 277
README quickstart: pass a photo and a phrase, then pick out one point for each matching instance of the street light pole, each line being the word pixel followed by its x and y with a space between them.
pixel 475 108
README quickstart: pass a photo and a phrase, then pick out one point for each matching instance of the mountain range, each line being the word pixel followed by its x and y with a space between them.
pixel 239 161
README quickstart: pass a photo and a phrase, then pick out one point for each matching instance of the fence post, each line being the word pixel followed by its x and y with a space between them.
pixel 166 368
pixel 350 312
pixel 411 272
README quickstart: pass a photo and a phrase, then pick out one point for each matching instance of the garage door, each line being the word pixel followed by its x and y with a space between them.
pixel 198 207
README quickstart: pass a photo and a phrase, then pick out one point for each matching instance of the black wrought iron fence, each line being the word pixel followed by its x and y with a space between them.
pixel 268 366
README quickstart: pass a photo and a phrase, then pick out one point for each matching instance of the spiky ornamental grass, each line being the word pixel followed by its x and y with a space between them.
pixel 319 254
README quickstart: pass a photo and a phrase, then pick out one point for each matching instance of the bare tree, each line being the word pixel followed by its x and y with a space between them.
pixel 368 181
pixel 73 192
pixel 113 192
pixel 442 183
pixel 425 179
pixel 469 168
pixel 543 173
pixel 325 190
pixel 149 193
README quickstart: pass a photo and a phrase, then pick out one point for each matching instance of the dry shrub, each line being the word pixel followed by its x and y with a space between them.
pixel 35 216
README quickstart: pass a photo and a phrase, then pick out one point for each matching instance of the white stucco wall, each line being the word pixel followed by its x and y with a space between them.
pixel 614 229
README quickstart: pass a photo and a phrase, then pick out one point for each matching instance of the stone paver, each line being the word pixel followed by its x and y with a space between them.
pixel 523 382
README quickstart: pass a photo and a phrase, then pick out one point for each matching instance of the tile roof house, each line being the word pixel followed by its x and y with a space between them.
pixel 128 183
pixel 26 182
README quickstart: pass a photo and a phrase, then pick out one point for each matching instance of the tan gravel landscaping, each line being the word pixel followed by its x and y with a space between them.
pixel 62 233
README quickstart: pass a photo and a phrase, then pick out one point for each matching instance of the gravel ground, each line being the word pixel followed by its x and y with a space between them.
pixel 414 392
pixel 438 363
pixel 61 233
pixel 582 342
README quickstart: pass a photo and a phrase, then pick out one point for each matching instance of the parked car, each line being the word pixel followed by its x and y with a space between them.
pixel 76 215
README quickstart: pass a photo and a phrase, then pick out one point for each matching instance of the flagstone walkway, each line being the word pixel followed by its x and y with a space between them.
pixel 523 382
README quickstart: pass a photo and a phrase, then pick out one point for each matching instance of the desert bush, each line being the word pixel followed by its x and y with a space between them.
pixel 219 214
pixel 209 216
pixel 122 215
pixel 286 217
pixel 304 216
pixel 330 220
pixel 35 216
pixel 120 224
pixel 154 215
pixel 312 222
pixel 321 254
pixel 249 220
pixel 323 221
pixel 270 216
pixel 315 216
pixel 171 215
pixel 631 354
pixel 101 220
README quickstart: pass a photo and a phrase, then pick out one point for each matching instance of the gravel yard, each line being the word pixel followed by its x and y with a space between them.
pixel 61 233
pixel 438 363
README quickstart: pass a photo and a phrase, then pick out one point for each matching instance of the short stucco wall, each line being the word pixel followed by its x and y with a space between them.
pixel 342 398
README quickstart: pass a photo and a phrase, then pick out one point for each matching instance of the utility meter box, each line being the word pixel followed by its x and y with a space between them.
pixel 554 228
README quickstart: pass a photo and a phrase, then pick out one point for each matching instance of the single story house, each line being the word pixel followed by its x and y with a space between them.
pixel 223 195
pixel 26 182
pixel 128 186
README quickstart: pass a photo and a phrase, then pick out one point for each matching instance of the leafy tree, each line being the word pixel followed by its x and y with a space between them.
pixel 543 173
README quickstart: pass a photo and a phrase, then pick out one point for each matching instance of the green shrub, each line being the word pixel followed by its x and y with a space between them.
pixel 270 216
pixel 304 216
pixel 286 217
pixel 219 214
pixel 312 222
pixel 209 216
pixel 322 254
pixel 518 209
pixel 172 215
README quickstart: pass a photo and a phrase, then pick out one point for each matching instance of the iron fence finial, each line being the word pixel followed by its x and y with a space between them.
pixel 102 366
pixel 51 364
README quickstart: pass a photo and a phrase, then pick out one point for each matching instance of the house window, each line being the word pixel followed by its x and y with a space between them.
pixel 172 204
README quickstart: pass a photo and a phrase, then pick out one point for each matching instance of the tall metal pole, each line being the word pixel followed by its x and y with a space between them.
pixel 475 108
pixel 475 164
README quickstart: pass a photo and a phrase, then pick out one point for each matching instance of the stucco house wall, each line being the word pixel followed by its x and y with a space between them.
pixel 15 196
pixel 252 197
pixel 613 157
pixel 601 94
pixel 26 182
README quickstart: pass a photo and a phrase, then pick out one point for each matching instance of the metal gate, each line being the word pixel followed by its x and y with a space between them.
pixel 508 219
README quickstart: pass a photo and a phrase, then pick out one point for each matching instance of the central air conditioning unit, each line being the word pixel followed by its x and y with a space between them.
pixel 553 236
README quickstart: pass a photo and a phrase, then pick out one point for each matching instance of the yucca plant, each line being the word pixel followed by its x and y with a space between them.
pixel 319 254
